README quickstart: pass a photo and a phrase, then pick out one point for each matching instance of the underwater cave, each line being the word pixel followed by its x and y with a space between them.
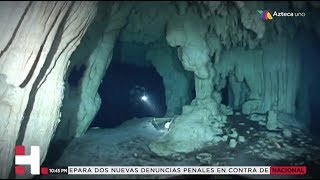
pixel 161 83
pixel 122 90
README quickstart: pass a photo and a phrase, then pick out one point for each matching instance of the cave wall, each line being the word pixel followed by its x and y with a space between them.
pixel 265 79
pixel 213 40
pixel 271 74
pixel 176 80
pixel 82 102
pixel 200 122
pixel 142 42
pixel 308 97
pixel 32 68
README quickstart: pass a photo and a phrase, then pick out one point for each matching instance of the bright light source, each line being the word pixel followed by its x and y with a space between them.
pixel 167 125
pixel 144 98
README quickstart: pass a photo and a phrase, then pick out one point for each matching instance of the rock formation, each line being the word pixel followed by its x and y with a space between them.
pixel 200 123
pixel 32 67
pixel 177 82
pixel 82 102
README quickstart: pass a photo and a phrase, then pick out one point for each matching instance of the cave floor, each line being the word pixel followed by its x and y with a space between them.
pixel 127 145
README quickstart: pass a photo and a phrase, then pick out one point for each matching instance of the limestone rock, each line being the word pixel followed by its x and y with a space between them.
pixel 250 106
pixel 232 143
pixel 190 131
pixel 241 139
pixel 160 123
pixel 177 82
pixel 272 120
pixel 247 12
pixel 217 96
pixel 262 123
pixel 287 133
pixel 204 158
pixel 234 133
pixel 289 121
pixel 181 7
pixel 224 138
pixel 188 33
pixel 34 63
pixel 147 20
pixel 82 103
pixel 263 72
pixel 226 110
pixel 238 91
pixel 257 117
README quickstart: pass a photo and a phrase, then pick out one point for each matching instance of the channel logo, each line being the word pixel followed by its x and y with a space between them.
pixel 265 15
pixel 33 160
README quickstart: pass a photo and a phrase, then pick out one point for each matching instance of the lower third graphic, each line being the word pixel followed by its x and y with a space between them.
pixel 34 161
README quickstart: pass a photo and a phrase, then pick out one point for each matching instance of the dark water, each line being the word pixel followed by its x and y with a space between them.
pixel 119 105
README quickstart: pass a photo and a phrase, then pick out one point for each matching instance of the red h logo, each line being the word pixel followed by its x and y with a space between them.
pixel 33 160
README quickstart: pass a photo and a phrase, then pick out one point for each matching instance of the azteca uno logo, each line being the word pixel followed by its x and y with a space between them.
pixel 33 160
pixel 265 15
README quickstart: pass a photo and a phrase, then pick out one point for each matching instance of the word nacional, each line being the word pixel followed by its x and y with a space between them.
pixel 187 170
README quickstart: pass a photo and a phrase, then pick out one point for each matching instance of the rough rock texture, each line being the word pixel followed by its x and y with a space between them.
pixel 232 143
pixel 257 117
pixel 204 158
pixel 262 80
pixel 272 120
pixel 177 82
pixel 146 23
pixel 199 124
pixel 82 103
pixel 234 24
pixel 32 67
pixel 238 92
pixel 188 34
pixel 141 42
pixel 287 133
pixel 309 81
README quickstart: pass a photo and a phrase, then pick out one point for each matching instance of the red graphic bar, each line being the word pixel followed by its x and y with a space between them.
pixel 20 150
pixel 19 170
pixel 44 171
pixel 288 170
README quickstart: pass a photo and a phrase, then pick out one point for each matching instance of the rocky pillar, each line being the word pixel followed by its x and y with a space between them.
pixel 200 122
pixel 177 82
pixel 82 103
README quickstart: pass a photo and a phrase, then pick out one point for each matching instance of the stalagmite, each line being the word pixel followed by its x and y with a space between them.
pixel 201 121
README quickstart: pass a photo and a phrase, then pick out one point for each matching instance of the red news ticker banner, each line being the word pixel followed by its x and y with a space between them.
pixel 288 170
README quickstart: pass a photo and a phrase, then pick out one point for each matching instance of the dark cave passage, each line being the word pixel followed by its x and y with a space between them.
pixel 315 116
pixel 225 94
pixel 121 94
pixel 315 106
pixel 75 75
pixel 311 73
